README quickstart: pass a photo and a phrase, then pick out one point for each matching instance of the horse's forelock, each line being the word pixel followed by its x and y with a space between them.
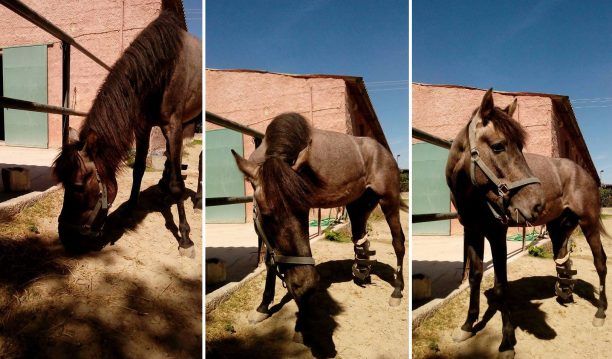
pixel 509 127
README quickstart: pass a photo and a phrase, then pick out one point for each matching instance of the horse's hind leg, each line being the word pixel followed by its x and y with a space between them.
pixel 390 207
pixel 358 212
pixel 140 163
pixel 560 230
pixel 473 242
pixel 592 232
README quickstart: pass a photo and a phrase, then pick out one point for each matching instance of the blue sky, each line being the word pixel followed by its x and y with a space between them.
pixel 344 37
pixel 193 15
pixel 560 47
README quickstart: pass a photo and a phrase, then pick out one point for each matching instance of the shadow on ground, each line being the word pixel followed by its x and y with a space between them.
pixel 41 179
pixel 239 262
pixel 47 312
pixel 319 326
pixel 526 315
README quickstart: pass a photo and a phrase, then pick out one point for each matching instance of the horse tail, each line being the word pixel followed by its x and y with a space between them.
pixel 284 188
pixel 175 7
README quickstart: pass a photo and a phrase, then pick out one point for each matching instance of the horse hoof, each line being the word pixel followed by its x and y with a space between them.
pixel 257 317
pixel 508 354
pixel 460 335
pixel 298 338
pixel 394 302
pixel 598 322
pixel 187 252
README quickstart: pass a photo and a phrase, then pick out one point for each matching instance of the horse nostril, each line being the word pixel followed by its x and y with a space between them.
pixel 537 209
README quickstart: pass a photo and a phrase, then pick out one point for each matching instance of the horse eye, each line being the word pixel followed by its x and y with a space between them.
pixel 498 147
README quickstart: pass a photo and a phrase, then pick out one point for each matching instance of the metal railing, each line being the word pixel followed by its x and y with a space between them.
pixel 32 16
pixel 437 141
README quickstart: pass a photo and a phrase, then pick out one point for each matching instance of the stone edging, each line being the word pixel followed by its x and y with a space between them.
pixel 12 207
pixel 214 299
pixel 421 314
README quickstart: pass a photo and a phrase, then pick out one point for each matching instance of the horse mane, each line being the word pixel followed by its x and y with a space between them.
pixel 132 92
pixel 175 6
pixel 285 189
pixel 507 125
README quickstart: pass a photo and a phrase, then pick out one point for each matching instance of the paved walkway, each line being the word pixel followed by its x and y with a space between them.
pixel 441 259
pixel 37 160
pixel 236 245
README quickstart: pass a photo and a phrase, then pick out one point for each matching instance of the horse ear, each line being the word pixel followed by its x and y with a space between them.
pixel 487 106
pixel 73 135
pixel 302 157
pixel 511 108
pixel 245 166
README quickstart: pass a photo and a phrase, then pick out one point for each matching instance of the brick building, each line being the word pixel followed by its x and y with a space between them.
pixel 443 110
pixel 31 60
pixel 254 98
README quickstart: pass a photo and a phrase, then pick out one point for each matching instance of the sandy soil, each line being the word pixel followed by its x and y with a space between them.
pixel 353 322
pixel 544 328
pixel 137 298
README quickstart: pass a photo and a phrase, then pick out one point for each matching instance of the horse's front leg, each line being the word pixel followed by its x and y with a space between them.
pixel 473 243
pixel 174 138
pixel 497 239
pixel 140 163
pixel 263 312
pixel 198 197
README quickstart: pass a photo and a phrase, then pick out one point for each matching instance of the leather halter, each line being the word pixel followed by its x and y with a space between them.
pixel 503 188
pixel 102 206
pixel 273 258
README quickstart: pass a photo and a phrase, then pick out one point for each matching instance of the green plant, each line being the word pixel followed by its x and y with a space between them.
pixel 336 236
pixel 606 197
pixel 536 251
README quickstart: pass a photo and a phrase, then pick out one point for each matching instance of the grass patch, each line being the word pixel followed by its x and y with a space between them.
pixel 449 316
pixel 543 251
pixel 341 236
pixel 27 221
pixel 194 143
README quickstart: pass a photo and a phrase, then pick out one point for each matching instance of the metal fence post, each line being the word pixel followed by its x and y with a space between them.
pixel 65 90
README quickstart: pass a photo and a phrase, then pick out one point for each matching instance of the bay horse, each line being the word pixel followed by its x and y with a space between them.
pixel 156 82
pixel 297 168
pixel 494 186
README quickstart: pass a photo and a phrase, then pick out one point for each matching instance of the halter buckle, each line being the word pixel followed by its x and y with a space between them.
pixel 503 189
pixel 474 153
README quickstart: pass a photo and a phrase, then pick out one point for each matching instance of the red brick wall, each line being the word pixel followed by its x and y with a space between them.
pixel 105 28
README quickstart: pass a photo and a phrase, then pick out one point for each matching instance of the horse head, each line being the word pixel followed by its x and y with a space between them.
pixel 497 165
pixel 88 194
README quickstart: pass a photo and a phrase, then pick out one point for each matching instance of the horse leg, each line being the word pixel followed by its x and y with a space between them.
pixel 174 138
pixel 497 239
pixel 262 312
pixel 140 163
pixel 559 231
pixel 592 233
pixel 390 208
pixel 164 182
pixel 473 243
pixel 358 212
pixel 198 196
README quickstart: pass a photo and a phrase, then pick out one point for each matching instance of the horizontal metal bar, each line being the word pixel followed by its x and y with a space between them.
pixel 15 104
pixel 27 13
pixel 430 217
pixel 221 201
pixel 424 136
pixel 224 122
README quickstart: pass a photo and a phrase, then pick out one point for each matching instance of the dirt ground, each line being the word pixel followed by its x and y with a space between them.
pixel 353 322
pixel 544 328
pixel 135 299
